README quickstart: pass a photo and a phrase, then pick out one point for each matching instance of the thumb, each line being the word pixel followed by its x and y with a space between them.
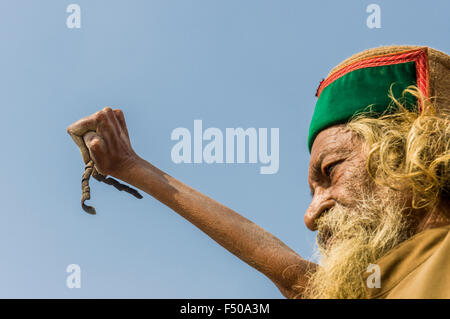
pixel 96 146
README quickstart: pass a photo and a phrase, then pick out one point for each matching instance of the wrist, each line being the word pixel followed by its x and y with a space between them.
pixel 131 170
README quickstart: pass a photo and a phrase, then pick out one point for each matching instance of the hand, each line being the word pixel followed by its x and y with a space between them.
pixel 103 137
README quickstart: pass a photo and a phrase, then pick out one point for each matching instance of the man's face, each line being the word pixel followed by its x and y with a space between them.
pixel 337 172
pixel 357 220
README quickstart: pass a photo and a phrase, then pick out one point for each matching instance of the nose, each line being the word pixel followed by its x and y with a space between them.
pixel 318 206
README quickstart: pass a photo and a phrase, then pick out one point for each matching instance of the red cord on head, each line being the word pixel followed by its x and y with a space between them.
pixel 317 91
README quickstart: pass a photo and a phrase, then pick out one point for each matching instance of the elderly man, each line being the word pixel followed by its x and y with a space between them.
pixel 379 175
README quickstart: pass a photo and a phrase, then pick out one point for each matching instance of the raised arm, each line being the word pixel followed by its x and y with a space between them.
pixel 106 136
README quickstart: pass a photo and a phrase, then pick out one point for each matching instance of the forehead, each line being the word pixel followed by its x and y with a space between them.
pixel 334 140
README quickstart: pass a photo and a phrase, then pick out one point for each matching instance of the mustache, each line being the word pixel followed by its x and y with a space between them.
pixel 336 221
pixel 342 222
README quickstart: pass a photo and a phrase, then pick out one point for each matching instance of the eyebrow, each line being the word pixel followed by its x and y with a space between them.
pixel 316 166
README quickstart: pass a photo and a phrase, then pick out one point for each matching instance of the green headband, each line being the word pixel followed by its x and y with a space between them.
pixel 354 88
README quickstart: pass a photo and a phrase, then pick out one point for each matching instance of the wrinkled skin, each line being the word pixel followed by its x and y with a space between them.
pixel 338 174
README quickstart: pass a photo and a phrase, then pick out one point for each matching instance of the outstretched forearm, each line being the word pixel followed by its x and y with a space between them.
pixel 237 234
pixel 103 138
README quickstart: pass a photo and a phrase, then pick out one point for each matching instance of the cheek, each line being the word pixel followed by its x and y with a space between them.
pixel 351 183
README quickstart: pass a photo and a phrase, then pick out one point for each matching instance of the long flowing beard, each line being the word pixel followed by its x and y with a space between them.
pixel 351 239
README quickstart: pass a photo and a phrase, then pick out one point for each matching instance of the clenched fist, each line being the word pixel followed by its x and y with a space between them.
pixel 103 137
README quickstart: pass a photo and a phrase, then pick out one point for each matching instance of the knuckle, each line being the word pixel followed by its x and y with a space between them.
pixel 118 112
pixel 94 144
pixel 71 128
pixel 107 109
pixel 101 116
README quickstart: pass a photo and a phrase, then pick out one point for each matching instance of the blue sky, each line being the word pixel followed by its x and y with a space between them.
pixel 231 63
